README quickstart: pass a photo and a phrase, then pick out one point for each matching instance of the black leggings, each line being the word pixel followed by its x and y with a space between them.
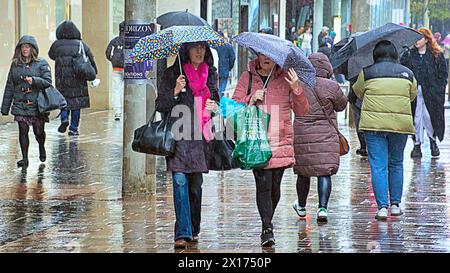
pixel 268 193
pixel 323 188
pixel 39 133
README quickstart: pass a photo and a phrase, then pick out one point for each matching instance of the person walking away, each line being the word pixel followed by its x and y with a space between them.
pixel 28 75
pixel 227 58
pixel 316 141
pixel 74 89
pixel 386 89
pixel 114 53
pixel 283 93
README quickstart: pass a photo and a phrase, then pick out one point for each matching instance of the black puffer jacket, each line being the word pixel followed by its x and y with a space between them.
pixel 191 156
pixel 63 51
pixel 19 93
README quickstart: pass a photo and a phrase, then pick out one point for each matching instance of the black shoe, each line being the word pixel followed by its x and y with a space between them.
pixel 63 127
pixel 362 152
pixel 42 154
pixel 434 148
pixel 416 152
pixel 22 163
pixel 267 239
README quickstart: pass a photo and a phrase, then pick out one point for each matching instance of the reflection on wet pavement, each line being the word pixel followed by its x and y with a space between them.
pixel 73 203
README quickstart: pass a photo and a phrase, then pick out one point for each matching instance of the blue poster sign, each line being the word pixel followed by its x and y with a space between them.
pixel 135 30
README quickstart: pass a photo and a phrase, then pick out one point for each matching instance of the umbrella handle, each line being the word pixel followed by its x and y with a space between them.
pixel 267 81
pixel 181 69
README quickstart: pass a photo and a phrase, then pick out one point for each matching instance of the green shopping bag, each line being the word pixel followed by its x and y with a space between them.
pixel 252 145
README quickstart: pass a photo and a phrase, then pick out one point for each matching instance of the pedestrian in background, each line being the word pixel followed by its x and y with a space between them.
pixel 226 64
pixel 316 141
pixel 386 89
pixel 74 89
pixel 28 75
pixel 304 41
pixel 283 91
pixel 427 62
pixel 114 53
pixel 197 86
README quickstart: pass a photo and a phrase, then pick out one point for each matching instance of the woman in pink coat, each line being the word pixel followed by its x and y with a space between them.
pixel 282 94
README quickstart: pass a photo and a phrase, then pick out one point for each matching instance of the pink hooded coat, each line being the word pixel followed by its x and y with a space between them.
pixel 279 100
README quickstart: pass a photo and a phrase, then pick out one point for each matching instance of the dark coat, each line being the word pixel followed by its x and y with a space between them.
pixel 226 60
pixel 191 156
pixel 114 52
pixel 316 142
pixel 63 51
pixel 433 81
pixel 19 93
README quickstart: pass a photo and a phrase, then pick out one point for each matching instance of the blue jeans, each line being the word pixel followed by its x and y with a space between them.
pixel 74 118
pixel 386 164
pixel 187 199
pixel 222 85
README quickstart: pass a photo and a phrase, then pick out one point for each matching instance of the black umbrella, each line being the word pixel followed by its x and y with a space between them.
pixel 180 18
pixel 357 53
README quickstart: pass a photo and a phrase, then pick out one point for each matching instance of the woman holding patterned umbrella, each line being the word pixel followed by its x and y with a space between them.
pixel 191 83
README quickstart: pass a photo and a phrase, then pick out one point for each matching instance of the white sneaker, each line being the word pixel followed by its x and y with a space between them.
pixel 322 215
pixel 396 210
pixel 299 210
pixel 382 214
pixel 117 116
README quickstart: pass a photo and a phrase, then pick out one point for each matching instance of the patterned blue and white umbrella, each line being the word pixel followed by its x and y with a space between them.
pixel 282 52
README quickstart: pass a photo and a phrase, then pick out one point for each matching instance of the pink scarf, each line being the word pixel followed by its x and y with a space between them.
pixel 197 82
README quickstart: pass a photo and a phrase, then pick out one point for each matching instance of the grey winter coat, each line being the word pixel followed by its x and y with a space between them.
pixel 63 51
pixel 19 93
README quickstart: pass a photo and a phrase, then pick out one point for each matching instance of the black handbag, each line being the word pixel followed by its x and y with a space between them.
pixel 221 153
pixel 82 65
pixel 51 99
pixel 155 137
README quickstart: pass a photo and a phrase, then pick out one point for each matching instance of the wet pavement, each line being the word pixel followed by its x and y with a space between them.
pixel 73 202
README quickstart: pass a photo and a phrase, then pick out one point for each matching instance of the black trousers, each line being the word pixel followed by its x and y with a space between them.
pixel 39 133
pixel 268 183
pixel 323 188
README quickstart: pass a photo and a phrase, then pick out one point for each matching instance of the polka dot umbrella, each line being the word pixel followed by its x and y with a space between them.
pixel 167 42
pixel 282 52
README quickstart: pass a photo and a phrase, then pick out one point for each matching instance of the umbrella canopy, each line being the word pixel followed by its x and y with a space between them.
pixel 167 42
pixel 357 53
pixel 282 52
pixel 180 18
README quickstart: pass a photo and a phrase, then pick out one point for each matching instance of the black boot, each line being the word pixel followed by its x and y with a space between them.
pixel 22 163
pixel 416 152
pixel 42 153
pixel 362 151
pixel 434 148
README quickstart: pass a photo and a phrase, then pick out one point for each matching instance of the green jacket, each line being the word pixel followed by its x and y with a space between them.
pixel 386 90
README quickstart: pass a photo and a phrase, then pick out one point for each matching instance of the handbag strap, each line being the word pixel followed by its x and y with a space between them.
pixel 81 50
pixel 325 112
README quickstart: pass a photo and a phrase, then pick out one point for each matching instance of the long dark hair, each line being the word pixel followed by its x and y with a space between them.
pixel 18 57
pixel 184 54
